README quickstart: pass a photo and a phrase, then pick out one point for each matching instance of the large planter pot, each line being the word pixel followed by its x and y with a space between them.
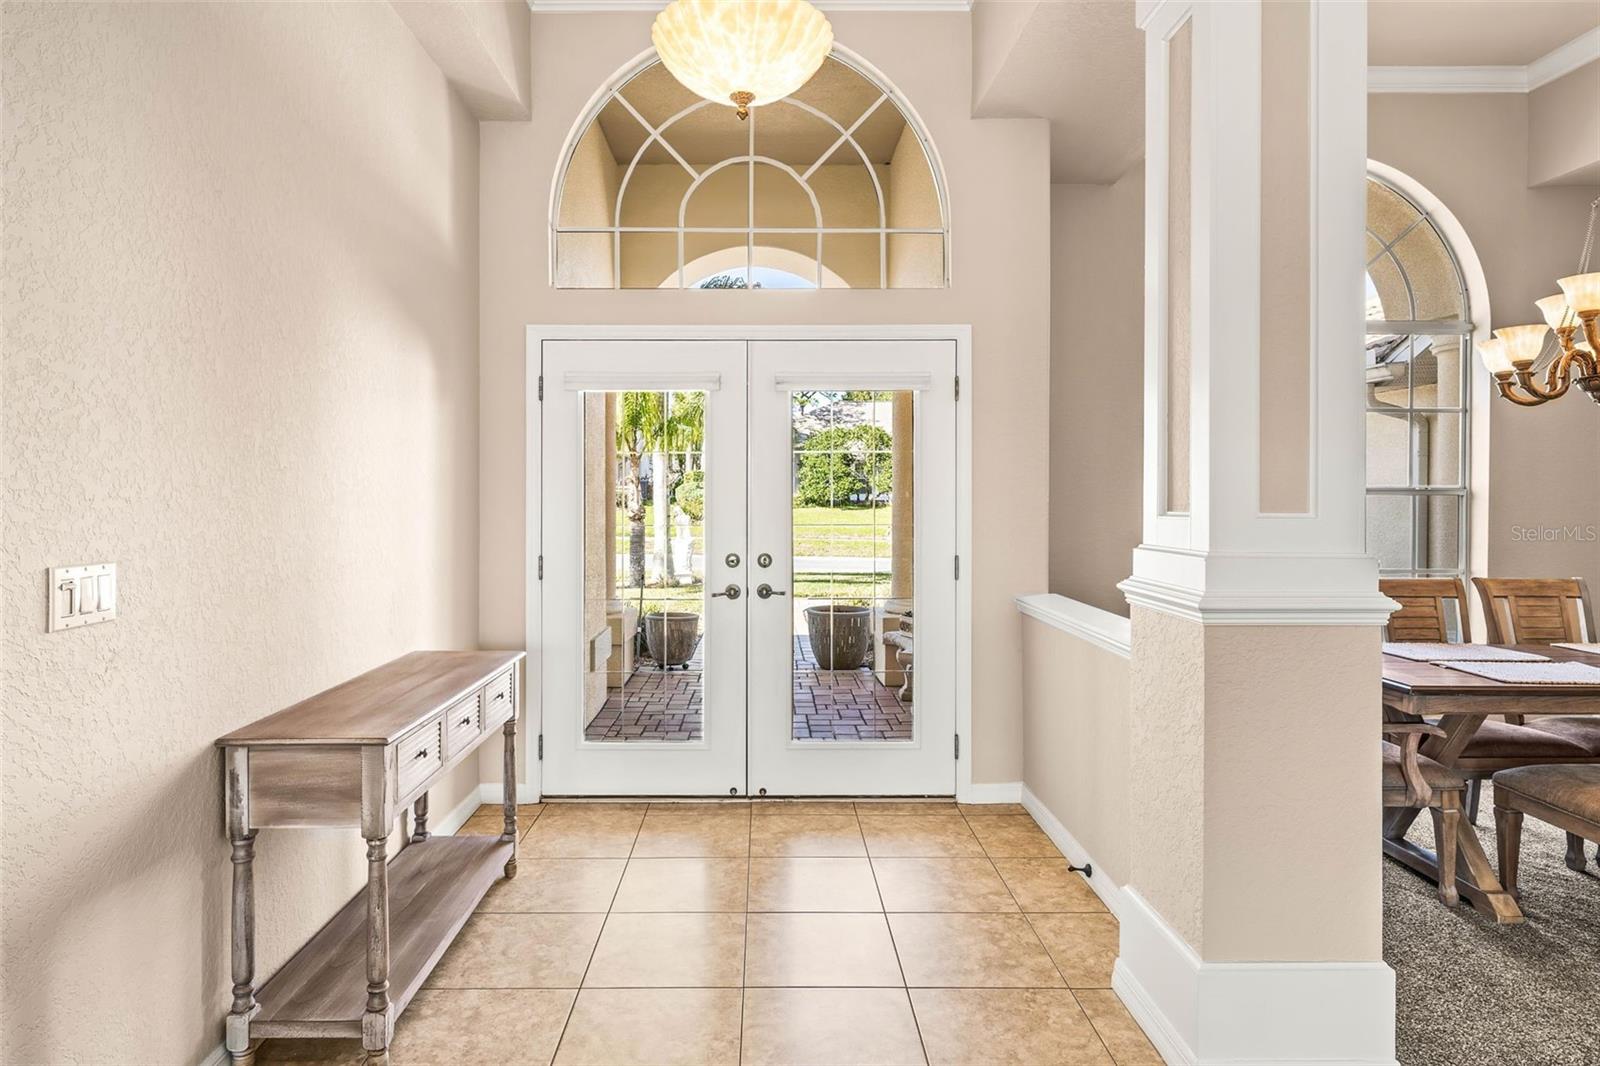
pixel 671 636
pixel 841 637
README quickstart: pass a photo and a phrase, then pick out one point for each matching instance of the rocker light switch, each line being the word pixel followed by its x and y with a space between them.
pixel 82 595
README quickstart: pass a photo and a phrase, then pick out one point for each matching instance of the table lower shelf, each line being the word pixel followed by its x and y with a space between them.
pixel 434 886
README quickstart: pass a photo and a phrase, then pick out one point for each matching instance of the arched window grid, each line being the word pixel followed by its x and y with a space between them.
pixel 1432 505
pixel 655 134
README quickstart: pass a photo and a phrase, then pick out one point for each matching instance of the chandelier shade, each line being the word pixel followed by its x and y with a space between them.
pixel 1523 343
pixel 1582 292
pixel 741 53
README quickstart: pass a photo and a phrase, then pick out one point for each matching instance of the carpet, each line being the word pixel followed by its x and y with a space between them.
pixel 1472 993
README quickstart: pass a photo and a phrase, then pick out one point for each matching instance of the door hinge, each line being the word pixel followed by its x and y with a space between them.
pixel 958 747
pixel 541 747
pixel 541 568
pixel 958 386
pixel 541 388
pixel 958 568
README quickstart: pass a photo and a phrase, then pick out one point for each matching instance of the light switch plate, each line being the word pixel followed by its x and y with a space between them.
pixel 81 595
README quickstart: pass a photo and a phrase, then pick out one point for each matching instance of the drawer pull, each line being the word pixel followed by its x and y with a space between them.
pixel 465 721
pixel 423 754
pixel 498 696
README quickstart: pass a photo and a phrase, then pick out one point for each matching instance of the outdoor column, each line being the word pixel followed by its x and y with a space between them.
pixel 1253 925
pixel 902 521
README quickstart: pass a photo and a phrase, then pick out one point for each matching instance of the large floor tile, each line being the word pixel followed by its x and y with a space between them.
pixel 971 951
pixel 557 885
pixel 1047 885
pixel 1120 1033
pixel 812 884
pixel 680 835
pixel 652 1027
pixel 489 819
pixel 758 808
pixel 1006 1027
pixel 1012 836
pixel 830 1027
pixel 669 951
pixel 820 949
pixel 519 951
pixel 819 835
pixel 1084 946
pixel 580 831
pixel 919 836
pixel 514 1027
pixel 586 809
pixel 683 885
pixel 987 810
pixel 941 885
pixel 905 807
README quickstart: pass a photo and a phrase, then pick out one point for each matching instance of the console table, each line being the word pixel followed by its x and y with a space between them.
pixel 356 756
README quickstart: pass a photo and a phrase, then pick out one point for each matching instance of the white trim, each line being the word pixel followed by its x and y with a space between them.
pixel 1110 893
pixel 995 792
pixel 607 7
pixel 218 1056
pixel 866 379
pixel 1101 628
pixel 536 335
pixel 665 380
pixel 458 815
pixel 494 792
pixel 1556 63
pixel 1261 607
pixel 1249 1012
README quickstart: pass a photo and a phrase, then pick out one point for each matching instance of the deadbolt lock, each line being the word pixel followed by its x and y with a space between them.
pixel 731 559
pixel 764 560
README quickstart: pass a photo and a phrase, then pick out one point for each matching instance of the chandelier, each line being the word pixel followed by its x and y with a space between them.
pixel 1510 356
pixel 739 52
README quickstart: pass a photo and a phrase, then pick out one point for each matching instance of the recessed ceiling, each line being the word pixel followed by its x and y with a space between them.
pixel 1490 33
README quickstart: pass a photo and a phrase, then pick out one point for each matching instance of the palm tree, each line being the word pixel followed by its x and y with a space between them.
pixel 638 425
pixel 665 425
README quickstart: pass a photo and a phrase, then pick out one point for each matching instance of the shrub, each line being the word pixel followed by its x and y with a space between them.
pixel 690 495
pixel 843 464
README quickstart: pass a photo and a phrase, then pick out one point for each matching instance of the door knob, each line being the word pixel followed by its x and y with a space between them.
pixel 733 592
pixel 766 591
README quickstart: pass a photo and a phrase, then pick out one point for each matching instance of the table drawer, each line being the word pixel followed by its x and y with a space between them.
pixel 462 724
pixel 420 754
pixel 498 699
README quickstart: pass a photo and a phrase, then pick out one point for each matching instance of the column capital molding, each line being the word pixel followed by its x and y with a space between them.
pixel 1258 588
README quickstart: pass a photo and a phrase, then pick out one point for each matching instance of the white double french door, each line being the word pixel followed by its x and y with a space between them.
pixel 748 567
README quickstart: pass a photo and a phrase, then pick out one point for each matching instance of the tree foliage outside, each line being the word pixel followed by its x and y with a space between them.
pixel 843 465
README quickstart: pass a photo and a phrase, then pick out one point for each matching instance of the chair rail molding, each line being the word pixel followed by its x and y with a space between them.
pixel 1198 1012
pixel 1101 628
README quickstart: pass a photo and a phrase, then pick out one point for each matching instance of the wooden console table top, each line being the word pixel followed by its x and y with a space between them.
pixel 379 706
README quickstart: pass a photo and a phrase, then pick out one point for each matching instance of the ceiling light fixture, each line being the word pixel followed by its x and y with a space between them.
pixel 1576 308
pixel 742 52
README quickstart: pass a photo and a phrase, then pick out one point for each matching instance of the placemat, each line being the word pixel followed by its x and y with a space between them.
pixel 1479 653
pixel 1546 673
pixel 1592 649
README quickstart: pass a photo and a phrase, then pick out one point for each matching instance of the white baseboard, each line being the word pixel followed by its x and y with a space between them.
pixel 1225 1013
pixel 457 816
pixel 994 792
pixel 1108 890
pixel 218 1056
pixel 495 793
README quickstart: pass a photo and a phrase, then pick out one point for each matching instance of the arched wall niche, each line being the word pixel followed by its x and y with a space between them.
pixel 841 173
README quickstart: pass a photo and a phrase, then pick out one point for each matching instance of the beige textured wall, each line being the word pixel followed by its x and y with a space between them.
pixel 1564 129
pixel 1096 387
pixel 1542 514
pixel 999 180
pixel 241 266
pixel 1075 716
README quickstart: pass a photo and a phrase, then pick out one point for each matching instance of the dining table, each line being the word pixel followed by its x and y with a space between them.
pixel 1460 702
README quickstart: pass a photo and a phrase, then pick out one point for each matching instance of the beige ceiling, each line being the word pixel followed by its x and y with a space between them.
pixel 1481 33
pixel 1077 63
pixel 783 132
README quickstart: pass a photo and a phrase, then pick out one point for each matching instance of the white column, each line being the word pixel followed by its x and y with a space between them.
pixel 1254 931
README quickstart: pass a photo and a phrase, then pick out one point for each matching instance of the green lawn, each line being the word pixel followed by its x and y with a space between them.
pixel 853 530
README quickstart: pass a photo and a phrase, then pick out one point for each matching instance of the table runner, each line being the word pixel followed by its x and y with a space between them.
pixel 1591 649
pixel 1438 653
pixel 1545 673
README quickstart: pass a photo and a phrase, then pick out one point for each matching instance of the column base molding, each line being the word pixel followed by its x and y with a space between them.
pixel 1258 588
pixel 1214 1014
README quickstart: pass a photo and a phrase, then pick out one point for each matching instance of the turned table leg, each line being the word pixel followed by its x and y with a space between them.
pixel 377 1021
pixel 420 811
pixel 244 951
pixel 510 790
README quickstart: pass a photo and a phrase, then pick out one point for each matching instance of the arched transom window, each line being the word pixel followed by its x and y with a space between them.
pixel 1419 356
pixel 836 186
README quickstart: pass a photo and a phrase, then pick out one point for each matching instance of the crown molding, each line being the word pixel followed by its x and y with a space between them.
pixel 1558 62
pixel 590 7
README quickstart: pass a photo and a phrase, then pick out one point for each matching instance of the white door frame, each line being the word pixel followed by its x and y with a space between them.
pixel 533 686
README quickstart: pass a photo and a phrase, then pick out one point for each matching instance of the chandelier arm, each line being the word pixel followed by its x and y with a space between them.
pixel 1508 392
pixel 1556 384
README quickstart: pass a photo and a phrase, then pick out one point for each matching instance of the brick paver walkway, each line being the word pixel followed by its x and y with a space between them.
pixel 828 705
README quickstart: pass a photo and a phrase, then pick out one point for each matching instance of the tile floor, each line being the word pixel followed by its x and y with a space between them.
pixel 656 704
pixel 773 932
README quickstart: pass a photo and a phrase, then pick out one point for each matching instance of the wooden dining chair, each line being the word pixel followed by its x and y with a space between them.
pixel 1435 610
pixel 1411 779
pixel 1544 611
